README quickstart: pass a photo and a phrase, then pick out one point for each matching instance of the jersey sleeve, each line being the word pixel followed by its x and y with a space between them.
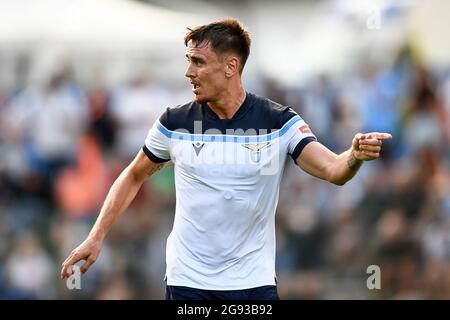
pixel 157 143
pixel 299 135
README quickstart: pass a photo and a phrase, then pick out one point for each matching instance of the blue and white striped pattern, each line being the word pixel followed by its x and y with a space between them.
pixel 177 135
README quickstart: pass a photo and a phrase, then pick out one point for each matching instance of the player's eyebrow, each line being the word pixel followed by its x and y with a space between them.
pixel 194 58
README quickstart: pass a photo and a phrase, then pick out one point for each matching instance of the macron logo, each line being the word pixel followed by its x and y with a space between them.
pixel 198 147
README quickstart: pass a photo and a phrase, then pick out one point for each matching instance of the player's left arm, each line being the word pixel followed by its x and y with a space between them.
pixel 321 162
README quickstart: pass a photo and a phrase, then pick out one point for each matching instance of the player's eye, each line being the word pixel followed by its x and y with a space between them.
pixel 197 62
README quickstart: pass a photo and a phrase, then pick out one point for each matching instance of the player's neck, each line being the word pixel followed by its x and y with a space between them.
pixel 229 102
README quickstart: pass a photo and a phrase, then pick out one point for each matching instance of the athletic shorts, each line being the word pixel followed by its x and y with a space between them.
pixel 187 293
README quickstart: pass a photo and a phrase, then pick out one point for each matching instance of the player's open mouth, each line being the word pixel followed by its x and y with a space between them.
pixel 195 88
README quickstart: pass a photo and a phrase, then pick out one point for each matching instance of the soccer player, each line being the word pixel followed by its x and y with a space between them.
pixel 229 148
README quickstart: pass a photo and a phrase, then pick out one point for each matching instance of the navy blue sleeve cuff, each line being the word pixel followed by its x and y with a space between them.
pixel 299 148
pixel 152 157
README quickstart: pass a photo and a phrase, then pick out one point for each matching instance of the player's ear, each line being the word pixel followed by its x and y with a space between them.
pixel 231 66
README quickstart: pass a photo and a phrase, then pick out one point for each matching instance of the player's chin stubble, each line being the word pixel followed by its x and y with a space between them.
pixel 199 99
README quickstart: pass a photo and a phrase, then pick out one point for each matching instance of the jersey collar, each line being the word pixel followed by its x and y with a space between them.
pixel 245 106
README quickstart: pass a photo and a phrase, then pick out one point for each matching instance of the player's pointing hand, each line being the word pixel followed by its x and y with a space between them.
pixel 367 146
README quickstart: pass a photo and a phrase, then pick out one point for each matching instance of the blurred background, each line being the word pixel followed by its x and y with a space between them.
pixel 81 83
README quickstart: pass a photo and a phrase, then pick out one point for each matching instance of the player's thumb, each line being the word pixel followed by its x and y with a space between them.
pixel 89 261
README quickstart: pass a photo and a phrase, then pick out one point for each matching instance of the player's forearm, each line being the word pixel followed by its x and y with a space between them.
pixel 119 197
pixel 123 192
pixel 344 168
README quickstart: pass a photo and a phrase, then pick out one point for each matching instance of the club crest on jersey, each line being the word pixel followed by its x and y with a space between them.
pixel 255 149
pixel 198 147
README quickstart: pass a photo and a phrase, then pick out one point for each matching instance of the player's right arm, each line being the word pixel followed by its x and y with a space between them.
pixel 117 201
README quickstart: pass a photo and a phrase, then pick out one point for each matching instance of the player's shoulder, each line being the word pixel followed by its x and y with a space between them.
pixel 176 117
pixel 279 114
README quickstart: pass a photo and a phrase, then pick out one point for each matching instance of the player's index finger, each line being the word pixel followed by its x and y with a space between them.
pixel 383 135
pixel 70 259
pixel 70 262
pixel 379 135
pixel 64 270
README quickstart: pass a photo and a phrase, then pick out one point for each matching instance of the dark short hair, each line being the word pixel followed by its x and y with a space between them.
pixel 226 35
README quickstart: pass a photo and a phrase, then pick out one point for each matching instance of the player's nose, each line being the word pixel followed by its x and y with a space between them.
pixel 189 72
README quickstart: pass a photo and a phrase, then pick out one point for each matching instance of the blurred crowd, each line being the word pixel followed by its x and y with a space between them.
pixel 63 143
